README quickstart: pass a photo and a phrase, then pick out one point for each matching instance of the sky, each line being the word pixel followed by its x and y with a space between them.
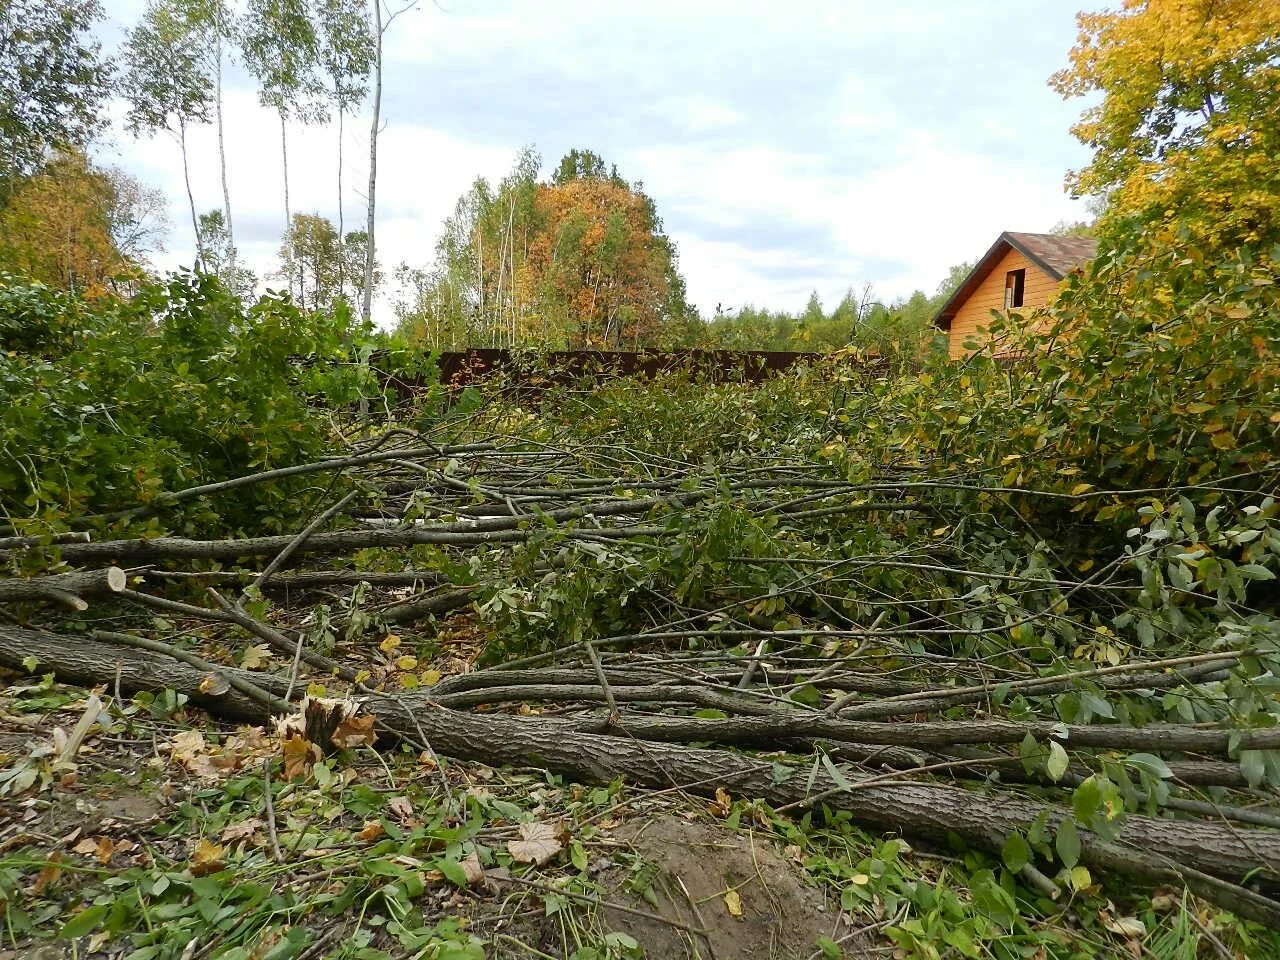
pixel 793 147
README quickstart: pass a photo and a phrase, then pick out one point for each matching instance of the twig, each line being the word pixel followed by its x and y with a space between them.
pixel 292 546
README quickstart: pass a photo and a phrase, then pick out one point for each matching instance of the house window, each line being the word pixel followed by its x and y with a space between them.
pixel 1014 283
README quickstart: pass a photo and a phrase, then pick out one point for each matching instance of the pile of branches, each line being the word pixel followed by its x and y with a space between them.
pixel 782 695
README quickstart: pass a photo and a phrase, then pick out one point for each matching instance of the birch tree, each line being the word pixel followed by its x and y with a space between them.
pixel 281 49
pixel 166 83
pixel 346 58
pixel 384 16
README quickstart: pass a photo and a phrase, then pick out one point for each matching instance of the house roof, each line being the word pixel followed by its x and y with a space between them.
pixel 1056 255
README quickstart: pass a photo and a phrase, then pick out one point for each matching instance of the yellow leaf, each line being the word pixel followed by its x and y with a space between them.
pixel 861 879
pixel 1080 488
pixel 389 643
pixel 256 656
pixel 300 755
pixel 406 663
pixel 1080 878
pixel 206 858
pixel 429 677
pixel 733 903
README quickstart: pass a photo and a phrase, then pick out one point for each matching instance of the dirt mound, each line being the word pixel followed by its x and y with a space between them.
pixel 689 869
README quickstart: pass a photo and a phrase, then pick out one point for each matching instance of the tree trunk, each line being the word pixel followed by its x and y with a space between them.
pixel 1213 860
pixel 342 250
pixel 222 154
pixel 67 588
pixel 191 200
pixel 366 308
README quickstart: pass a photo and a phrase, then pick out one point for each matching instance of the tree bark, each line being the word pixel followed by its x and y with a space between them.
pixel 366 306
pixel 222 151
pixel 191 200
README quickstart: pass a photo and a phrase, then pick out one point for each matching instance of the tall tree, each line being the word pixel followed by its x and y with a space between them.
pixel 166 80
pixel 219 23
pixel 1187 129
pixel 281 48
pixel 384 16
pixel 346 58
pixel 53 80
pixel 76 226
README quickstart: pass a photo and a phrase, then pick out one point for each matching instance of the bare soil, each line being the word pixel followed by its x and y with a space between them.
pixel 693 867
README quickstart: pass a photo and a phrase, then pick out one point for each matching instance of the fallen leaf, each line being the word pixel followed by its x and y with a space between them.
pixel 48 874
pixel 733 903
pixel 373 830
pixel 190 749
pixel 471 867
pixel 429 678
pixel 206 858
pixel 538 843
pixel 355 732
pixel 406 663
pixel 233 833
pixel 256 656
pixel 300 755
pixel 400 808
pixel 723 804
pixel 1123 926
pixel 389 643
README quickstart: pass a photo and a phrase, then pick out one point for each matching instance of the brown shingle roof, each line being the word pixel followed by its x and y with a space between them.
pixel 1055 255
pixel 1059 255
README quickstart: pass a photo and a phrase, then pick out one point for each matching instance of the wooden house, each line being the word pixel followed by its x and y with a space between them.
pixel 1021 272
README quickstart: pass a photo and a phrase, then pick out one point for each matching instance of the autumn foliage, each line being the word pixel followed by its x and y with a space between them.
pixel 579 261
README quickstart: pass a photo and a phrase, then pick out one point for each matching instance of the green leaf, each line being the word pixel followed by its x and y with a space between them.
pixel 86 921
pixel 1253 765
pixel 1056 764
pixel 1015 853
pixel 1067 843
pixel 1087 799
pixel 1150 763
pixel 452 871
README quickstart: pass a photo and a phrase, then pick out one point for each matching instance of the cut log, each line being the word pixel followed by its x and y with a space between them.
pixel 1215 861
pixel 66 588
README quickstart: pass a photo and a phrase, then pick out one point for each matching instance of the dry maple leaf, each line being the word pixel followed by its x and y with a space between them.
pixel 355 732
pixel 538 843
pixel 103 848
pixel 256 656
pixel 206 858
pixel 300 756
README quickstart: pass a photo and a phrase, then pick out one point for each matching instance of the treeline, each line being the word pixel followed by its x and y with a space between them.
pixel 579 259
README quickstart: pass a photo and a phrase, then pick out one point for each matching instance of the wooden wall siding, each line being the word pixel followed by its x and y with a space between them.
pixel 970 321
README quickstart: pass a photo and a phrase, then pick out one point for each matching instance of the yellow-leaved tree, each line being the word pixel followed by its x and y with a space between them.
pixel 1187 130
